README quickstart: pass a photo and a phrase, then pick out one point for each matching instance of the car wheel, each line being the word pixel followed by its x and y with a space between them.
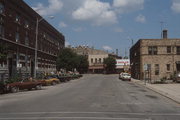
pixel 14 89
pixel 38 87
pixel 30 89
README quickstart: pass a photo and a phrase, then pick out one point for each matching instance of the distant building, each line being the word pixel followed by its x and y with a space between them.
pixel 95 57
pixel 122 65
pixel 155 58
pixel 18 32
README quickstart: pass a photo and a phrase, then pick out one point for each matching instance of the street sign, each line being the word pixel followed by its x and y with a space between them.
pixel 19 65
pixel 145 67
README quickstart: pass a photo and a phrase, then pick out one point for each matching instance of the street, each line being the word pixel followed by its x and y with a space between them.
pixel 92 97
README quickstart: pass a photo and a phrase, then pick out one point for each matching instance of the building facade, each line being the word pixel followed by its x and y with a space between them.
pixel 155 59
pixel 95 58
pixel 122 65
pixel 18 23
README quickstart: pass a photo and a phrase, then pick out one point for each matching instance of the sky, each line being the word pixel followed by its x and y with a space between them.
pixel 110 24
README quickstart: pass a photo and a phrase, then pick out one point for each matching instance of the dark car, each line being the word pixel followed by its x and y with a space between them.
pixel 23 85
pixel 2 88
pixel 61 78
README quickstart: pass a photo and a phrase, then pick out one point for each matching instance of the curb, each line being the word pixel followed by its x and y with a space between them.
pixel 165 94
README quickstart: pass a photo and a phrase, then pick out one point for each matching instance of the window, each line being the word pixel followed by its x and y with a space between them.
pixel 178 50
pixel 156 69
pixel 91 60
pixel 27 41
pixel 1 20
pixel 1 30
pixel 17 37
pixel 26 24
pixel 168 49
pixel 149 67
pixel 99 60
pixel 95 60
pixel 152 50
pixel 168 67
pixel 1 8
pixel 17 18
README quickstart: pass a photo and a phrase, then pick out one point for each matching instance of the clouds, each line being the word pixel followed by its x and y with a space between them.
pixel 176 6
pixel 125 6
pixel 140 18
pixel 100 13
pixel 118 30
pixel 96 11
pixel 78 29
pixel 53 7
pixel 107 48
pixel 63 25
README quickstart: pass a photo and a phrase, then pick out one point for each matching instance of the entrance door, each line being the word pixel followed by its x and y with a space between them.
pixel 178 66
pixel 10 66
pixel 32 68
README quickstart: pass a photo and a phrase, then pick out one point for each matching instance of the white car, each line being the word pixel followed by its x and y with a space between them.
pixel 125 76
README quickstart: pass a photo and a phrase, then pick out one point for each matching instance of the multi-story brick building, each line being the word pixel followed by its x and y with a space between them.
pixel 155 59
pixel 18 24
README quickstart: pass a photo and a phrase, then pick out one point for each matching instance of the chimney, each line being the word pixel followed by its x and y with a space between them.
pixel 165 32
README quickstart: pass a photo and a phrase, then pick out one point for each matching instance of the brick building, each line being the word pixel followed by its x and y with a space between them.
pixel 155 58
pixel 18 33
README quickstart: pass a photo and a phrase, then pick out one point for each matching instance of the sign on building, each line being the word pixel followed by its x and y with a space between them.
pixel 121 63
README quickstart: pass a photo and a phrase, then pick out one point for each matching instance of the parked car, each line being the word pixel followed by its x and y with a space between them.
pixel 125 76
pixel 61 78
pixel 120 75
pixel 50 80
pixel 22 85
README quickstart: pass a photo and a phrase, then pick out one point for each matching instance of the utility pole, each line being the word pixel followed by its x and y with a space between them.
pixel 36 44
pixel 125 53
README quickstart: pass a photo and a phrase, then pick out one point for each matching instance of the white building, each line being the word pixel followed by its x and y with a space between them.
pixel 122 65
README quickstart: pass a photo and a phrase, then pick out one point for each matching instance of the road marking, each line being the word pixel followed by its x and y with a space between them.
pixel 117 113
pixel 78 118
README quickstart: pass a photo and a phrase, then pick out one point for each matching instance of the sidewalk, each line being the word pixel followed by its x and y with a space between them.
pixel 171 91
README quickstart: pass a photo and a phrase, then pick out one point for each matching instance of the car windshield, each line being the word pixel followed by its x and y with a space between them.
pixel 126 74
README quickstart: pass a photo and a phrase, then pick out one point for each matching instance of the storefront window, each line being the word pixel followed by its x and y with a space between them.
pixel 1 30
pixel 1 8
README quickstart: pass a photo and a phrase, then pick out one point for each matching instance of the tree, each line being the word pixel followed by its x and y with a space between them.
pixel 110 64
pixel 67 59
pixel 83 64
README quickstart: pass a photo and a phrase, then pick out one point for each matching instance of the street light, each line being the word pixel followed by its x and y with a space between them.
pixel 36 44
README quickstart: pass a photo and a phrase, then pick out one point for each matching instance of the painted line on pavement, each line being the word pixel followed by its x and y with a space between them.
pixel 78 118
pixel 141 114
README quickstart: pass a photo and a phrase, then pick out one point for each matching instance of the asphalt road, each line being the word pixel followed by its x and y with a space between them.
pixel 92 97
